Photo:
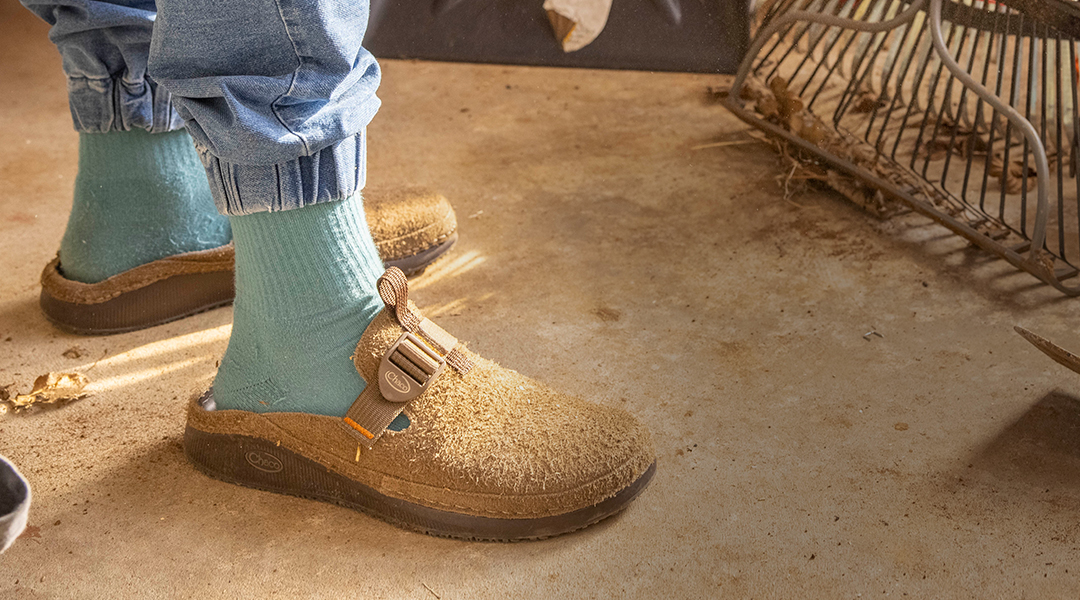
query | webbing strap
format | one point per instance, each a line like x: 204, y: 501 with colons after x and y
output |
x: 446, y: 344
x: 407, y: 369
x: 370, y: 415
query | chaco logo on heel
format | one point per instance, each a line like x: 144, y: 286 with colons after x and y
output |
x: 264, y: 461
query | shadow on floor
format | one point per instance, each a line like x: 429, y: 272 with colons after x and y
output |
x: 111, y: 361
x: 937, y: 249
x: 156, y: 494
x: 1041, y: 448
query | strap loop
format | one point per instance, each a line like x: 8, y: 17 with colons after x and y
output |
x: 394, y: 290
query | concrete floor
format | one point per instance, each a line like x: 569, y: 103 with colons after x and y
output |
x: 602, y: 254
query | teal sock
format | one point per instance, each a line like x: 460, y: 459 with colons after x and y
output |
x: 305, y: 292
x: 139, y: 197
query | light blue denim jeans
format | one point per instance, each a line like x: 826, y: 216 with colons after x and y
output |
x: 276, y: 93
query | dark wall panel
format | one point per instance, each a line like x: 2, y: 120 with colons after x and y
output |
x: 708, y: 36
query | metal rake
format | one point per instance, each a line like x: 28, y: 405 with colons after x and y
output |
x: 963, y: 110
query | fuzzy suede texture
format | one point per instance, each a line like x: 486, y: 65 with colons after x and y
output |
x: 201, y: 261
x: 493, y: 443
x: 406, y: 221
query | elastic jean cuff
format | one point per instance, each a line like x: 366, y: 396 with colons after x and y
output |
x: 116, y: 104
x: 333, y: 173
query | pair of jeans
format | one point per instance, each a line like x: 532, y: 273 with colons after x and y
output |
x: 276, y: 94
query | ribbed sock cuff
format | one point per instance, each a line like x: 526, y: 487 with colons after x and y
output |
x: 138, y: 197
x: 285, y: 261
x: 136, y: 151
x: 305, y: 293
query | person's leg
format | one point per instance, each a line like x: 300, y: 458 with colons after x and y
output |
x: 278, y: 105
x: 143, y: 244
x: 140, y: 193
x: 312, y: 393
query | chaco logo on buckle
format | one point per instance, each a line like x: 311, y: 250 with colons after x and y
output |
x: 399, y: 383
x: 408, y: 369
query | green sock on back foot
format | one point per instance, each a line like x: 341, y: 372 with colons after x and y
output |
x: 139, y: 197
x: 305, y: 292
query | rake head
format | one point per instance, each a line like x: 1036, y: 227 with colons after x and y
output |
x: 965, y: 111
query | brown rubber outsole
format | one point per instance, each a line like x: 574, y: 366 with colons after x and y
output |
x: 177, y: 297
x: 160, y: 302
x: 262, y: 464
x: 415, y: 264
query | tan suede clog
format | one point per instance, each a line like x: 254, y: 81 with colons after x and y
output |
x: 488, y: 454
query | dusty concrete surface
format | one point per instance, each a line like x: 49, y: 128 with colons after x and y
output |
x: 602, y: 254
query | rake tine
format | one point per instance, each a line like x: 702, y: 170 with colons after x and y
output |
x: 1060, y: 355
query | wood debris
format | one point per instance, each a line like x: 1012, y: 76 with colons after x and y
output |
x: 845, y: 112
x: 867, y: 102
x: 716, y: 94
x: 54, y: 389
x: 779, y: 105
x: 1013, y: 177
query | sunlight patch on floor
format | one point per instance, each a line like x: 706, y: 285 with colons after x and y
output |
x: 170, y: 345
x: 447, y: 268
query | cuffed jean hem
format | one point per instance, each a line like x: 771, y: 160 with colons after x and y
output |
x: 331, y: 174
x: 116, y: 104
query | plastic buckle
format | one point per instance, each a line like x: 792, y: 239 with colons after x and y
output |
x: 408, y: 369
